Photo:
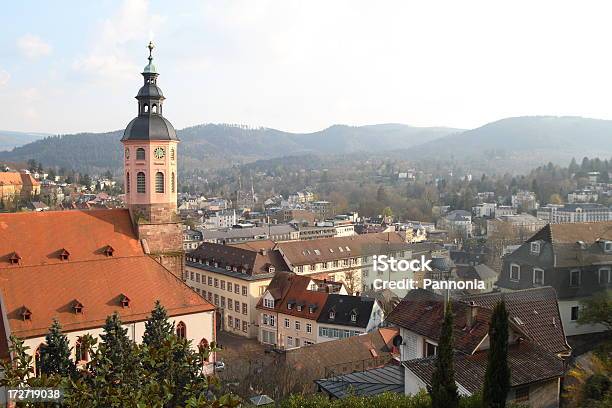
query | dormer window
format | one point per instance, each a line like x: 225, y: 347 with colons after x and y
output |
x: 64, y: 255
x: 607, y: 246
x: 535, y: 248
x: 289, y: 305
x: 269, y: 303
x: 26, y: 314
x: 77, y: 307
x: 299, y: 308
x: 353, y: 317
x: 332, y: 314
x: 271, y: 269
x: 109, y: 250
x: 15, y: 259
x: 125, y: 301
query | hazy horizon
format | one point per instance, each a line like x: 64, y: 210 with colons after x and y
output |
x: 302, y: 67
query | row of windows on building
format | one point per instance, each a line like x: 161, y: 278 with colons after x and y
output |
x: 334, y: 333
x: 237, y: 324
x: 221, y: 301
x: 270, y: 320
x: 141, y: 153
x: 604, y: 276
x: 217, y: 283
x: 141, y: 182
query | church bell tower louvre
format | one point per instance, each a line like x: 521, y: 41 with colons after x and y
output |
x: 150, y: 175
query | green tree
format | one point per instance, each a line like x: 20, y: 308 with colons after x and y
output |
x: 157, y: 327
x: 56, y: 352
x: 443, y: 390
x: 497, y: 376
x: 597, y: 309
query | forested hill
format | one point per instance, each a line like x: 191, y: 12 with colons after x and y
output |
x: 219, y: 145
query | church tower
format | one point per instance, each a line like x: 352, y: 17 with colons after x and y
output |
x: 150, y: 175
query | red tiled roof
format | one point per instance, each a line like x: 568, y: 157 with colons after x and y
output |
x: 17, y: 179
x: 39, y: 237
x: 50, y: 291
x: 537, y: 311
x: 422, y: 312
x: 294, y: 288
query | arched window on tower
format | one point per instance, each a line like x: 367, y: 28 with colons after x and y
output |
x: 172, y: 181
x: 159, y: 182
x: 145, y: 108
x: 172, y: 154
x: 127, y: 182
x: 140, y: 153
x: 181, y: 330
x: 38, y: 361
x: 154, y: 108
x: 140, y: 182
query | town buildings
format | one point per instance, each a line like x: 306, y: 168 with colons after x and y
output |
x: 524, y: 200
x: 298, y: 311
x: 233, y: 278
x: 457, y: 221
x: 351, y: 259
x: 81, y: 266
x: 582, y: 196
x: 575, y: 259
x: 516, y: 226
x: 15, y: 185
x: 582, y: 212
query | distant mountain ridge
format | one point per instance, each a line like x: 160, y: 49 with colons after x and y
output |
x: 512, y: 144
x: 10, y: 139
x: 214, y: 145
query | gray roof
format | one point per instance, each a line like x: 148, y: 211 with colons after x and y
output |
x: 389, y: 378
x: 149, y: 127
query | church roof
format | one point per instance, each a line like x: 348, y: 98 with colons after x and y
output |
x: 149, y: 127
x: 39, y: 237
x: 49, y: 260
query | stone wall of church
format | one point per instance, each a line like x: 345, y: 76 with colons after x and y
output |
x: 165, y: 243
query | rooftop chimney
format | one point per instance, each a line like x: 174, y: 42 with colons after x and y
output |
x: 471, y: 313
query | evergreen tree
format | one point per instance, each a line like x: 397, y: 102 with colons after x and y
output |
x: 56, y: 352
x: 157, y: 327
x: 118, y: 353
x: 443, y: 390
x: 497, y: 377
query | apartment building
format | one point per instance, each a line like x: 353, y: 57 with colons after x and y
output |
x: 233, y: 278
x: 273, y: 232
x: 297, y: 311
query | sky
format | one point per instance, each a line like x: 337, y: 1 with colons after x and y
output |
x: 301, y: 66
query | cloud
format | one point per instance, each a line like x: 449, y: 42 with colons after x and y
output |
x: 33, y: 46
x: 4, y: 77
x: 110, y: 57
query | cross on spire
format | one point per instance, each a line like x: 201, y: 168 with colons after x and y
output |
x: 150, y: 47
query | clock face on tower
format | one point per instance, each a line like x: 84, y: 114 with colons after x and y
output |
x: 159, y: 153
